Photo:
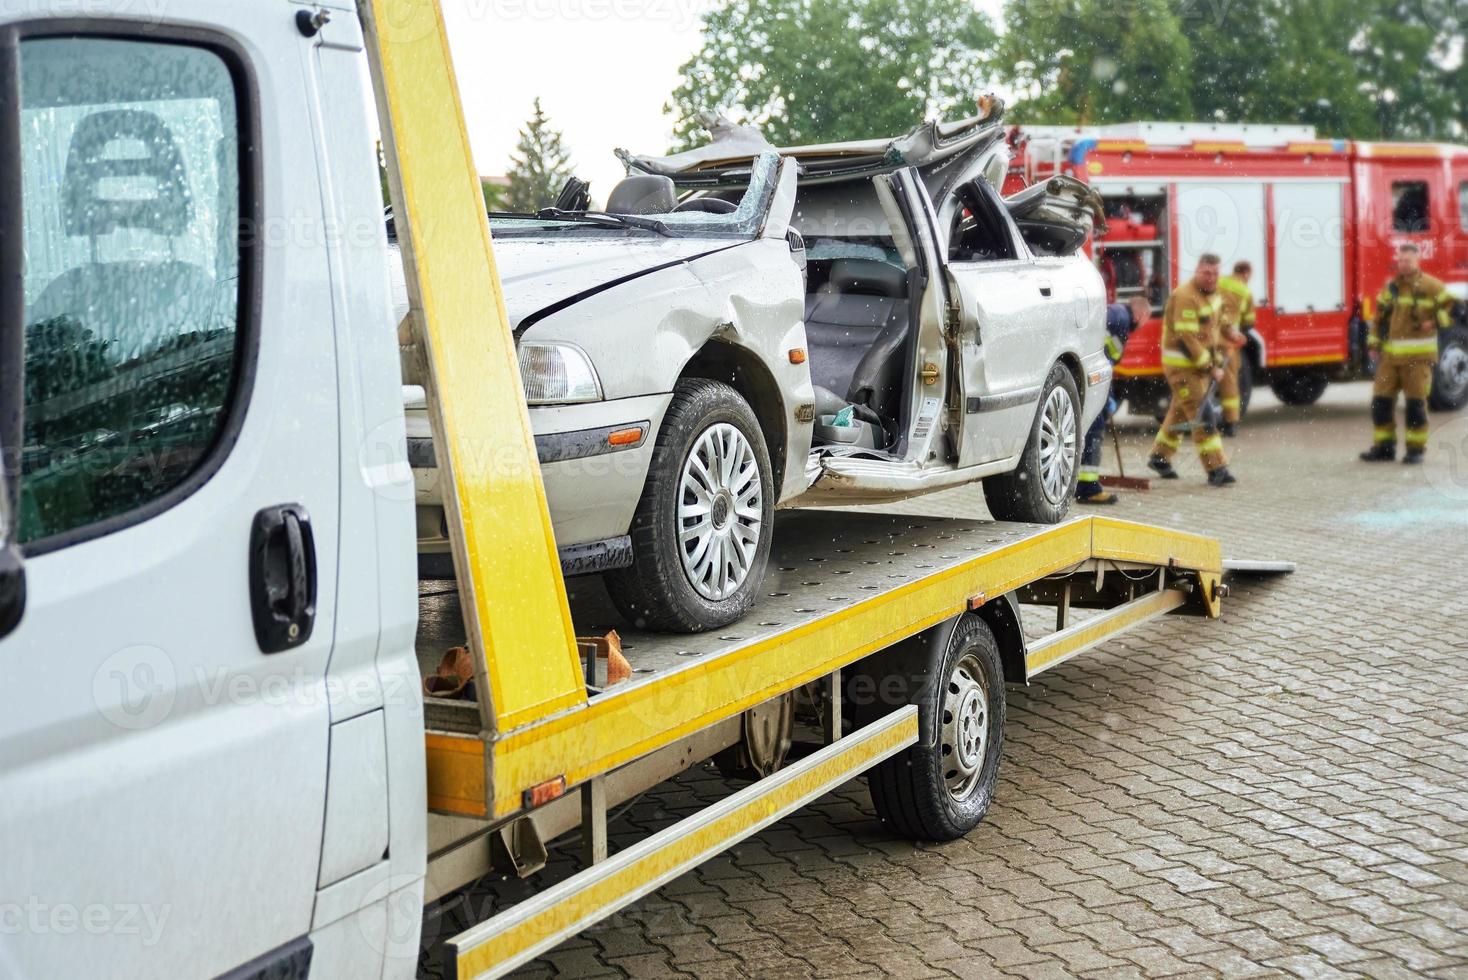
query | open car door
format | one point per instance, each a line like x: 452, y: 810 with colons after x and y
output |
x: 914, y: 227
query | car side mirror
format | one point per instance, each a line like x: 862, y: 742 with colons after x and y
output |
x: 12, y: 589
x: 797, y: 247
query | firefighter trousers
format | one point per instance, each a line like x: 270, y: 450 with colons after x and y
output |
x: 1411, y: 377
x: 1188, y: 388
x: 1228, y: 389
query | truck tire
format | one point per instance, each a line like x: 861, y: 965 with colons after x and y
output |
x: 701, y: 534
x: 1040, y: 488
x: 1298, y: 387
x: 941, y: 791
x: 1450, y: 379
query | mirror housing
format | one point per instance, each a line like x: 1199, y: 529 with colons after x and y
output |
x: 12, y: 589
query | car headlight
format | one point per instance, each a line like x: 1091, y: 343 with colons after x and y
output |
x: 557, y: 374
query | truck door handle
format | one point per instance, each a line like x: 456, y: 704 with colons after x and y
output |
x: 282, y: 577
x: 1045, y: 289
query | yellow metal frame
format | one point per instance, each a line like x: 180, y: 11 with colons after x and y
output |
x: 514, y: 600
x: 498, y: 945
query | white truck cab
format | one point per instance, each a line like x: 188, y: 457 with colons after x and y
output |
x: 212, y: 683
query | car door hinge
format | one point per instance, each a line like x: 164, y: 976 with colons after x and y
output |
x: 952, y: 320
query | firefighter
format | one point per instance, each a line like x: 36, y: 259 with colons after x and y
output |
x: 1411, y: 310
x: 1189, y: 363
x: 1235, y: 321
x: 1121, y: 320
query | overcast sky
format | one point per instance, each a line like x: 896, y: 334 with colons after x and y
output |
x: 603, y: 70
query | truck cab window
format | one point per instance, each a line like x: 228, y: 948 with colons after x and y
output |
x: 1463, y: 206
x: 130, y: 195
x: 1409, y: 206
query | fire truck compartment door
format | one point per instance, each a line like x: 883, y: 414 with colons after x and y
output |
x: 1226, y: 218
x: 1309, y: 248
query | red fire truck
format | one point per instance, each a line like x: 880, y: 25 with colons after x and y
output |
x: 1317, y: 218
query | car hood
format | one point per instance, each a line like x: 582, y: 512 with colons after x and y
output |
x: 540, y: 273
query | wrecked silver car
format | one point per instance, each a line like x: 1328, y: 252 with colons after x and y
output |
x: 748, y: 327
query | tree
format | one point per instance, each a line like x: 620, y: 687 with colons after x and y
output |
x: 539, y: 166
x: 805, y: 71
x: 1093, y: 61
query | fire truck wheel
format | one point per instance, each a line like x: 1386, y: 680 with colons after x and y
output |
x: 1450, y: 380
x: 941, y: 791
x: 1298, y: 387
x: 701, y: 532
x: 1039, y: 489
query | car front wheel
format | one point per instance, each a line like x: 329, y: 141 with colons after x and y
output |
x: 1039, y: 489
x: 701, y: 532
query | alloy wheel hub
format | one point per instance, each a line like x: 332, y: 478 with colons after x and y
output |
x: 720, y: 511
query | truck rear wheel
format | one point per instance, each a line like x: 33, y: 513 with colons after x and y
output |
x: 1298, y: 387
x: 701, y: 532
x: 1450, y: 380
x: 941, y: 791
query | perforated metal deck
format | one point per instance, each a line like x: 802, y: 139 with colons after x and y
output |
x: 821, y: 560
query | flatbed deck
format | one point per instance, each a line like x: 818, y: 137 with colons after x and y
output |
x: 841, y: 585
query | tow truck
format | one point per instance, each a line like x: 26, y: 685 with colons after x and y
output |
x: 215, y: 753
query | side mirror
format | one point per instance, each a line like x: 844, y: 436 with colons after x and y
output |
x: 797, y: 247
x: 12, y: 589
x: 12, y: 567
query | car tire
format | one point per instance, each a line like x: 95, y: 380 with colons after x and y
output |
x: 940, y: 792
x: 1450, y: 377
x: 1299, y: 387
x: 1040, y: 488
x: 659, y: 591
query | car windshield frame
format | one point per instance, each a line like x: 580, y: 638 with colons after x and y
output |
x: 746, y: 221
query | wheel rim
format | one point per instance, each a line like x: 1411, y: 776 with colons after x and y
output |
x: 1453, y: 370
x: 720, y: 511
x: 1057, y: 445
x: 965, y: 727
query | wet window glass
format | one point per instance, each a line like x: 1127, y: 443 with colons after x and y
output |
x: 130, y: 196
x: 1409, y: 205
x: 1463, y: 206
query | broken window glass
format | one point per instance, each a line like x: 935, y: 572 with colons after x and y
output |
x: 130, y: 198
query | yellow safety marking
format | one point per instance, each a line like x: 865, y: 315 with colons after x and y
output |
x: 1131, y: 371
x: 1055, y: 649
x: 1402, y: 150
x: 457, y: 778
x: 1220, y: 148
x: 1119, y: 146
x: 515, y: 608
x: 635, y: 873
x: 1308, y: 359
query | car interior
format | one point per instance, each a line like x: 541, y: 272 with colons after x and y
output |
x: 857, y: 314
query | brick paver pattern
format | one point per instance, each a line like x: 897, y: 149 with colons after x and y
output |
x: 1284, y: 792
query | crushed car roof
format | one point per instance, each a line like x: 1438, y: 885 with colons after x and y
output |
x: 724, y: 160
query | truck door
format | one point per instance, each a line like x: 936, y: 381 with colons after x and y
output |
x: 163, y: 709
x: 1007, y: 308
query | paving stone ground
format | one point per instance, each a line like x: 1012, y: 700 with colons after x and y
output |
x: 1284, y: 792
